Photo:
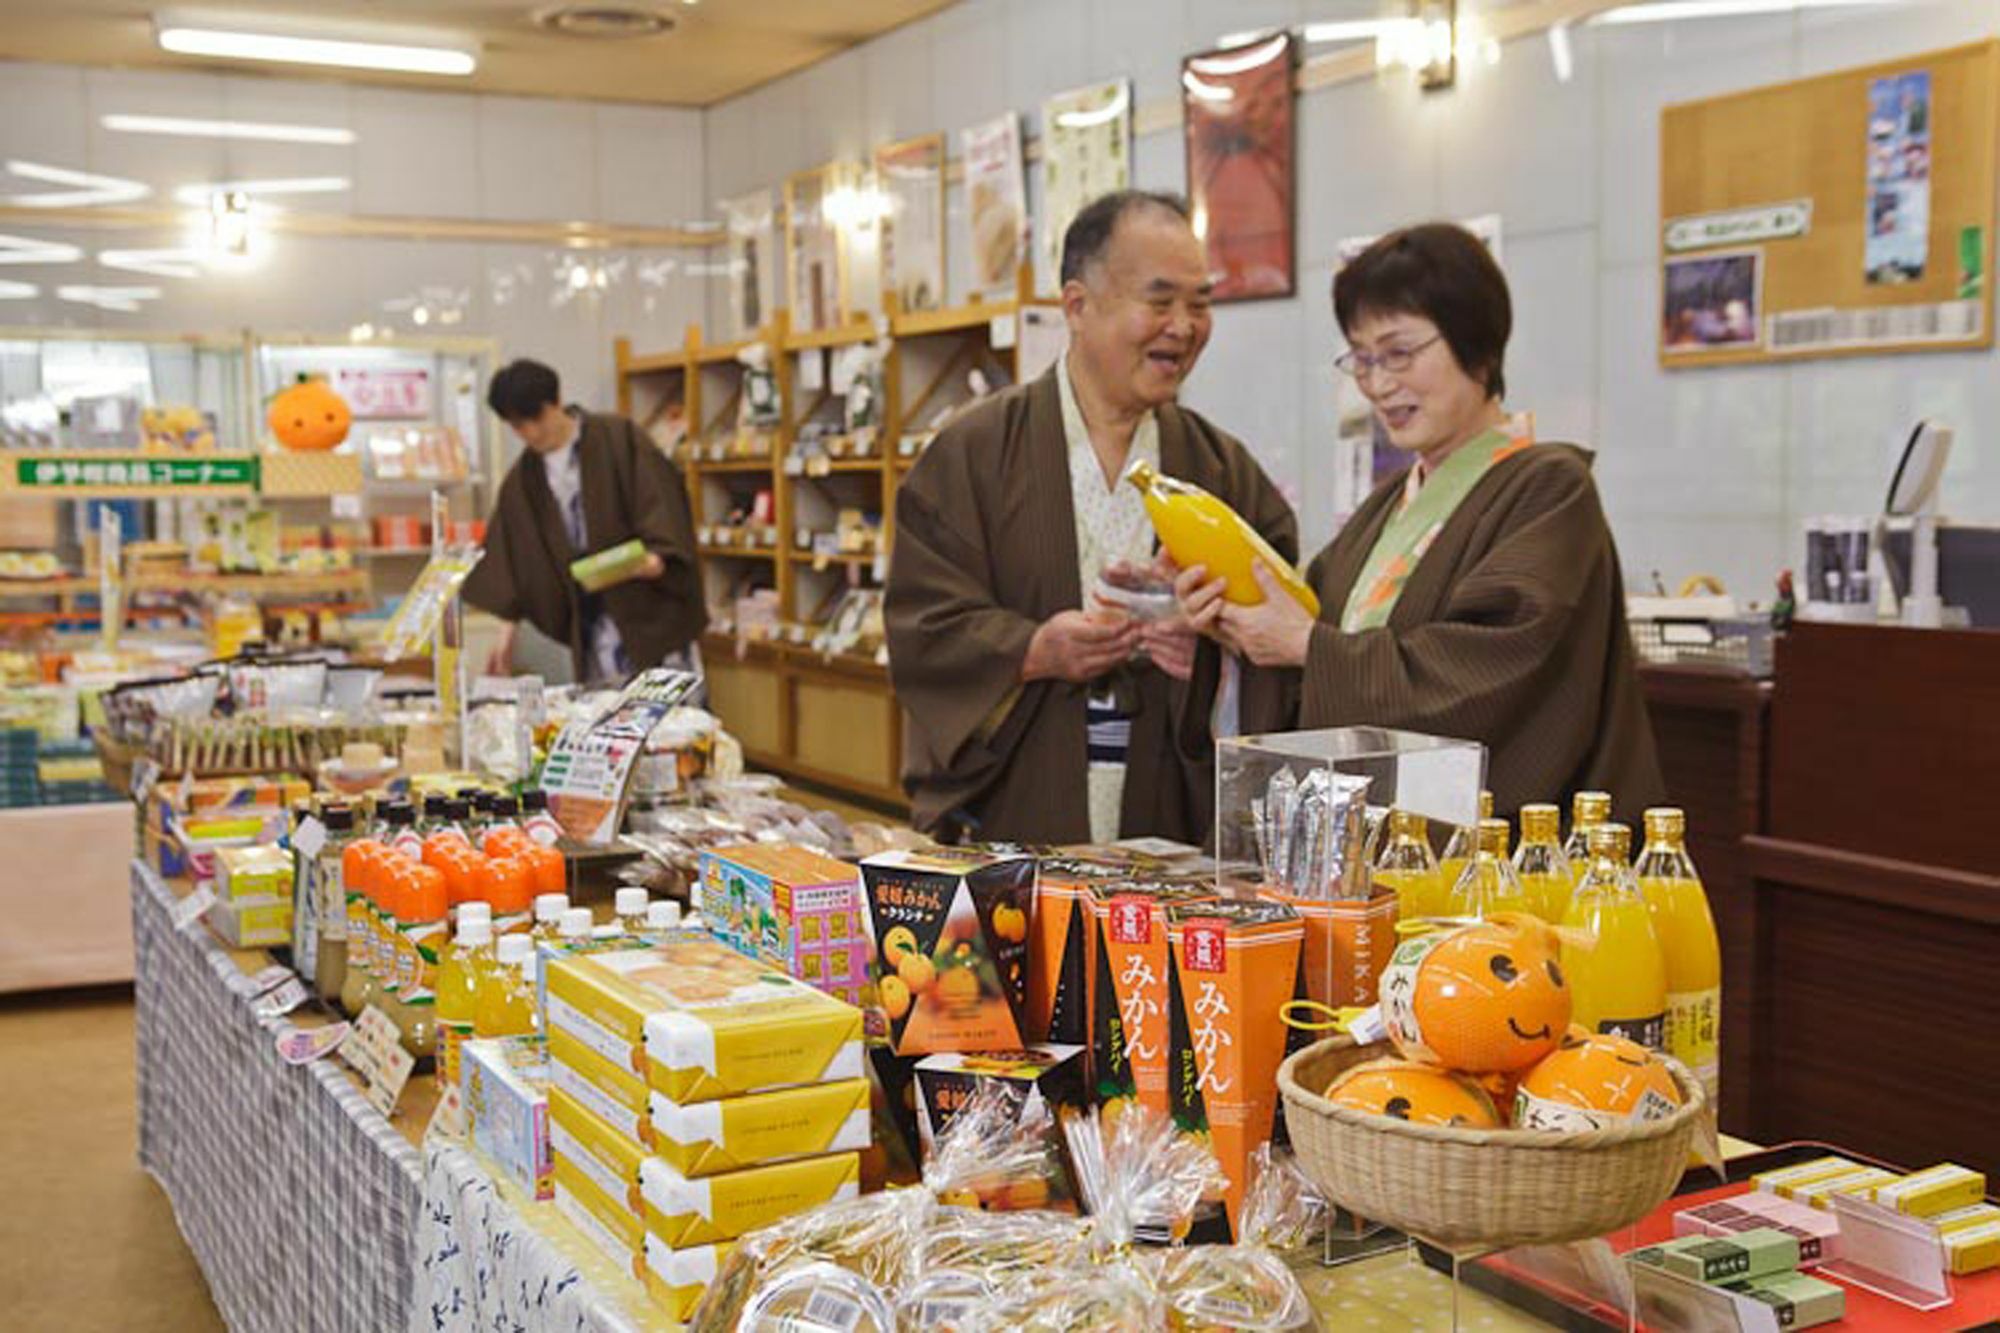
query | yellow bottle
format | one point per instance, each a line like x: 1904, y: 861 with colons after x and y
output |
x: 1620, y: 985
x: 1459, y: 847
x: 1198, y: 529
x: 466, y: 963
x: 1588, y: 809
x: 1679, y: 905
x: 506, y: 1003
x: 1407, y: 866
x: 1540, y: 864
x: 1488, y: 884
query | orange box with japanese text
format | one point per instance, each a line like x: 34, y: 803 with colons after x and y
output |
x: 949, y: 958
x: 1128, y: 991
x: 1347, y: 945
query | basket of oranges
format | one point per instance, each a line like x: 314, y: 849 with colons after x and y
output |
x: 1486, y: 1120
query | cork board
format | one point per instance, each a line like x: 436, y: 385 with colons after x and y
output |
x: 1848, y: 214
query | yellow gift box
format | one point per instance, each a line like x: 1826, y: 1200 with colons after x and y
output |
x: 708, y: 1138
x: 676, y: 1278
x: 683, y: 1212
x: 595, y: 1149
x: 1934, y: 1190
x: 613, y: 1095
x: 626, y: 1231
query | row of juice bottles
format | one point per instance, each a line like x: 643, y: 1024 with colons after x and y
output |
x: 1654, y: 972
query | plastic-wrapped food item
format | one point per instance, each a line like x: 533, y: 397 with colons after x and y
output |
x: 868, y: 1236
x: 818, y: 1296
x: 940, y: 1302
x: 992, y: 1142
x: 1140, y: 1178
x: 1116, y: 1298
x: 1248, y: 1286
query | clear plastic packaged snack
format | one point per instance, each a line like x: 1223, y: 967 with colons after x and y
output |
x: 1248, y: 1285
x: 818, y: 1296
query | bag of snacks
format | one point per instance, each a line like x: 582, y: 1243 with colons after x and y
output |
x: 1249, y: 1285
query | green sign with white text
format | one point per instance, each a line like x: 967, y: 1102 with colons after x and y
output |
x: 145, y: 474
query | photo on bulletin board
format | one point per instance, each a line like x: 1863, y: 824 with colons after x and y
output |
x: 911, y: 177
x: 751, y: 223
x: 1712, y: 301
x: 1086, y: 153
x: 815, y: 278
x: 996, y: 203
x: 1242, y: 165
x: 1899, y: 177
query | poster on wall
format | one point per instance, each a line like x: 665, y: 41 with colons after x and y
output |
x: 996, y: 203
x: 1242, y: 168
x: 751, y: 223
x: 1713, y: 302
x: 815, y: 286
x: 399, y: 393
x: 911, y: 177
x: 1899, y: 177
x: 1086, y: 152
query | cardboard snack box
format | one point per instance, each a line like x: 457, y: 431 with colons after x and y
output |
x: 1128, y: 993
x: 683, y: 1212
x: 949, y: 958
x: 791, y: 907
x: 506, y: 1090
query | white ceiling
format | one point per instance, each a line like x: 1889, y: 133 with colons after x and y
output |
x: 717, y: 49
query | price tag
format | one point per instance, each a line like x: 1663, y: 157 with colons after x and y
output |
x: 346, y: 506
x: 186, y: 792
x: 145, y: 774
x: 795, y: 465
x: 375, y: 1051
x: 281, y: 999
x: 310, y: 837
x: 270, y: 978
x: 189, y: 909
x: 449, y: 1117
x: 302, y: 1046
x: 819, y: 465
x: 1001, y: 332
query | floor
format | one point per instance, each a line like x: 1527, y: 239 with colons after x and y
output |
x: 87, y: 1240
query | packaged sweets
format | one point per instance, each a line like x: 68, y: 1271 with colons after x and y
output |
x: 791, y: 907
x: 1248, y: 1285
x: 701, y: 1021
x: 1934, y: 1190
x: 816, y: 1296
x: 676, y: 1279
x: 1129, y: 998
x: 507, y: 1107
x: 999, y: 1150
x: 1062, y: 935
x: 868, y: 1236
x: 612, y: 1095
x: 1031, y: 1081
x: 950, y: 958
x: 593, y: 1148
x: 707, y: 1138
x: 684, y: 1212
x: 601, y: 569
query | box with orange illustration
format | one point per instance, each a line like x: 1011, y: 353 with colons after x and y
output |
x: 1034, y: 1080
x: 1128, y: 990
x: 949, y: 962
x: 1234, y: 967
x: 1347, y: 946
x: 1062, y: 937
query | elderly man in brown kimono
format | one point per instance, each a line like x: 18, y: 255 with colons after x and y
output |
x: 586, y: 482
x: 1034, y: 711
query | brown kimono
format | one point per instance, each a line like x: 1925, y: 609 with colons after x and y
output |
x: 1511, y: 631
x: 985, y: 550
x: 629, y: 490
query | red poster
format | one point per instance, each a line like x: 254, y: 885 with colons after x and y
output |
x: 1242, y: 165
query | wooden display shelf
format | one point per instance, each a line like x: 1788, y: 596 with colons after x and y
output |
x: 656, y: 362
x: 955, y: 319
x: 843, y: 558
x: 72, y: 585
x: 722, y: 353
x: 864, y: 467
x: 737, y: 553
x: 844, y: 335
x: 885, y: 794
x: 734, y: 464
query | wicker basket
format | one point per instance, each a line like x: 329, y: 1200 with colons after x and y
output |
x: 118, y: 759
x: 1487, y: 1189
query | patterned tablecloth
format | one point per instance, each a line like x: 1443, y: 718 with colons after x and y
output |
x: 306, y: 1209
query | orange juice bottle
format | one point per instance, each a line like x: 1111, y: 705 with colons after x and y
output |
x: 1458, y: 849
x: 1540, y: 864
x: 420, y: 933
x: 468, y: 959
x: 1198, y: 529
x: 506, y: 1003
x: 360, y: 863
x: 1679, y: 905
x: 1488, y: 883
x: 1407, y: 866
x: 391, y: 891
x: 509, y: 889
x: 1588, y: 809
x: 1620, y: 985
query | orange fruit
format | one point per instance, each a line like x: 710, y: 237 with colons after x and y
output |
x: 916, y: 972
x: 895, y: 996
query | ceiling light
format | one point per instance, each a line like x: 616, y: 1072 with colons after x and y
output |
x: 296, y: 43
x: 1560, y: 53
x: 174, y: 263
x: 229, y: 225
x: 18, y: 291
x: 29, y: 250
x: 1667, y: 11
x: 227, y: 129
x: 201, y: 194
x: 1350, y: 30
x: 122, y: 299
x: 86, y: 187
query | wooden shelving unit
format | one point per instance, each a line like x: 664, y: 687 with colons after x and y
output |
x: 830, y: 721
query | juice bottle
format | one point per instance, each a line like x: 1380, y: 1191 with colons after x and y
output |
x: 458, y: 818
x: 661, y: 916
x: 305, y: 898
x: 465, y: 963
x: 574, y: 926
x: 1458, y: 849
x: 551, y: 868
x: 1407, y: 866
x: 1588, y: 809
x: 391, y: 887
x: 506, y: 1003
x: 1487, y: 884
x: 549, y: 909
x: 1620, y: 985
x: 478, y: 810
x: 420, y: 935
x: 360, y: 863
x: 432, y: 817
x: 509, y: 890
x: 329, y: 903
x: 1198, y: 529
x: 536, y: 821
x: 399, y: 829
x: 502, y: 812
x: 1540, y: 864
x: 1679, y: 905
x: 630, y: 906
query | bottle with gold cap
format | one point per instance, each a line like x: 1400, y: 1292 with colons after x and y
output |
x: 1539, y: 862
x: 1619, y: 984
x: 1407, y: 866
x: 1458, y: 848
x: 1588, y: 809
x: 1679, y: 906
x: 1198, y: 529
x: 1488, y: 883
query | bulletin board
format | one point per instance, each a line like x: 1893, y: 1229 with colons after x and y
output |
x: 1848, y: 214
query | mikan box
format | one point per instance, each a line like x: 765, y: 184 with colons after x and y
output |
x: 676, y: 1279
x: 1128, y: 990
x: 708, y: 1021
x: 1061, y: 939
x: 708, y: 1138
x: 1034, y: 1080
x: 1347, y: 945
x: 791, y: 907
x: 685, y: 1212
x: 949, y: 962
x: 1234, y: 967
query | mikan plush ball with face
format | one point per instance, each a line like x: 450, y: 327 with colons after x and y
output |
x: 1420, y: 1094
x: 310, y: 417
x: 1486, y: 998
x: 1595, y: 1081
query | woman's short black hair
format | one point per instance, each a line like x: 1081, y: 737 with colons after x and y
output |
x: 1445, y: 274
x: 521, y: 389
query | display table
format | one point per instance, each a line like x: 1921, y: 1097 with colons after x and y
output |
x: 62, y: 899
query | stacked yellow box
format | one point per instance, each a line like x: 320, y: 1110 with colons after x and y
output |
x: 696, y: 1095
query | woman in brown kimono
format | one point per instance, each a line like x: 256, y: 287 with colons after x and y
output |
x: 1475, y: 594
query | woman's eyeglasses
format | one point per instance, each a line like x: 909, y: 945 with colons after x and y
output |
x: 1395, y: 360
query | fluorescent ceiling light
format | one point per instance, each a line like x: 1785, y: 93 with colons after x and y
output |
x: 123, y: 299
x: 200, y: 194
x: 85, y: 187
x: 174, y: 263
x: 18, y: 291
x: 28, y: 250
x: 345, y: 47
x: 1352, y: 30
x: 1668, y: 11
x: 227, y: 129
